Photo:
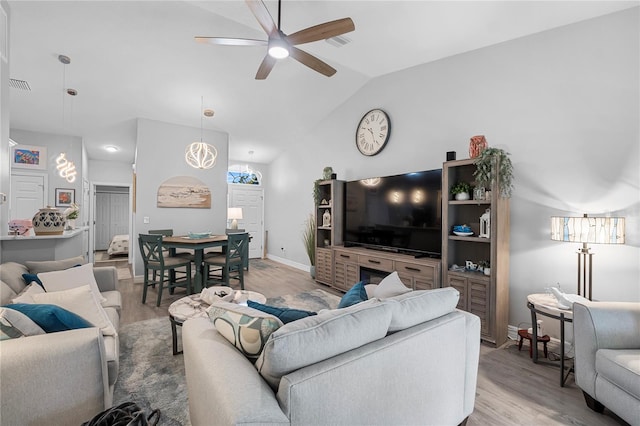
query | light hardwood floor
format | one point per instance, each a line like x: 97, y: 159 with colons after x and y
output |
x: 511, y: 390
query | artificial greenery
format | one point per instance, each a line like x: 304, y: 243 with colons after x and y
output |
x: 485, y: 173
x: 309, y: 238
x: 75, y: 211
x: 327, y: 172
x: 326, y: 175
x: 460, y: 188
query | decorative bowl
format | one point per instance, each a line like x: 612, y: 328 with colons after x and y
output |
x: 462, y: 228
x: 199, y: 235
x: 463, y: 234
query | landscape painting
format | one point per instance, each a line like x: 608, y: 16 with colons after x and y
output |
x: 184, y: 192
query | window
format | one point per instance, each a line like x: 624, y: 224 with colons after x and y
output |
x: 243, y: 175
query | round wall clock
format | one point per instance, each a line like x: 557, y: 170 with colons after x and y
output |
x: 373, y: 132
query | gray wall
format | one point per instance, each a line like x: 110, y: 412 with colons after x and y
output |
x: 110, y: 172
x: 71, y: 145
x: 160, y: 156
x: 563, y: 102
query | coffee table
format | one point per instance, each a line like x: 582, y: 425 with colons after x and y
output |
x: 194, y: 307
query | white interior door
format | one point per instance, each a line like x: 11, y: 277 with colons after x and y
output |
x: 252, y: 202
x: 103, y: 213
x: 28, y: 195
x: 119, y: 214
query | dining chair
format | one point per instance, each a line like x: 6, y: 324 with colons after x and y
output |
x: 154, y: 260
x: 230, y: 263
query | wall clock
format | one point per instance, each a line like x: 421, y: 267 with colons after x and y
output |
x: 373, y: 132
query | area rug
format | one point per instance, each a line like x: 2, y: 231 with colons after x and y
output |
x: 149, y: 374
x: 154, y: 378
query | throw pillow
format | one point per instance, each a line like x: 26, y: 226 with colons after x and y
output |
x: 26, y: 296
x: 14, y: 324
x: 246, y: 328
x: 71, y: 278
x: 81, y: 301
x: 30, y: 278
x: 51, y: 318
x: 390, y: 286
x: 420, y: 306
x: 37, y: 267
x: 356, y: 294
x: 283, y: 314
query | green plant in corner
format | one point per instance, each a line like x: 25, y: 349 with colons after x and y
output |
x: 485, y: 170
x: 309, y: 238
x: 326, y: 175
x: 460, y: 187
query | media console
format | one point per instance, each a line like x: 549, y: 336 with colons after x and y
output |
x: 352, y: 264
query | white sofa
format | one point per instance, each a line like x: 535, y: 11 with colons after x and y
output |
x: 410, y: 359
x: 607, y: 356
x: 58, y: 378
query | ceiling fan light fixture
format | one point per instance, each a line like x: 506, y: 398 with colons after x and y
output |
x: 278, y: 49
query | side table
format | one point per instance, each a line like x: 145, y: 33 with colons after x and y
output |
x: 547, y: 305
x: 194, y: 307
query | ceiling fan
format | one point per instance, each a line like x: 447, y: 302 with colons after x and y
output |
x: 282, y: 45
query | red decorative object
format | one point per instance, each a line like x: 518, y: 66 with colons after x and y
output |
x: 477, y: 145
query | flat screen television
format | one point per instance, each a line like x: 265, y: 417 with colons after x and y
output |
x: 401, y: 213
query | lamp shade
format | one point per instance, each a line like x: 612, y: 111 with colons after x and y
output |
x: 594, y: 230
x: 234, y: 212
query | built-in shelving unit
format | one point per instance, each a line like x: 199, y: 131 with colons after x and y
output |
x: 328, y: 233
x: 484, y: 295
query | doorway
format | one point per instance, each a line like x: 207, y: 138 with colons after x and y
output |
x: 252, y: 202
x: 111, y: 221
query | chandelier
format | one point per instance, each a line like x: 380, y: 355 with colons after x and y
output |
x: 201, y: 155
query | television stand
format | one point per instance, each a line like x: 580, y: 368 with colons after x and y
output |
x: 416, y: 273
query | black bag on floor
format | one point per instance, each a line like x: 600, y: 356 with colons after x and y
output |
x: 125, y: 414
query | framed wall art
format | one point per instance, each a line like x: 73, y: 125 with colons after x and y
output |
x: 65, y: 197
x: 29, y: 157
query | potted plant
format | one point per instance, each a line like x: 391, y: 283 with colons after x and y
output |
x: 309, y: 240
x: 461, y: 190
x: 327, y: 173
x: 486, y: 175
x: 71, y: 215
x: 485, y: 266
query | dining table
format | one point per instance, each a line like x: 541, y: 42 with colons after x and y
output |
x: 198, y: 245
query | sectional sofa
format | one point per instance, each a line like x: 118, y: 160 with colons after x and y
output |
x: 408, y: 359
x: 64, y: 377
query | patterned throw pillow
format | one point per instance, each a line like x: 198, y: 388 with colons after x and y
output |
x: 247, y: 329
x: 14, y: 324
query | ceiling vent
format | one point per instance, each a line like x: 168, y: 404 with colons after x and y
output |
x: 19, y: 84
x: 338, y: 41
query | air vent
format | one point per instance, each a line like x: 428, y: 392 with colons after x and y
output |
x: 338, y: 41
x: 19, y: 84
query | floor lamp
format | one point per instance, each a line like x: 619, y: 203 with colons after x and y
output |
x: 585, y: 230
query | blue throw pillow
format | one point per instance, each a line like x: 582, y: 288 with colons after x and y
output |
x: 356, y: 294
x: 29, y: 278
x: 51, y: 318
x: 283, y: 314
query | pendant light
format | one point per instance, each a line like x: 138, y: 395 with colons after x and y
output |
x: 201, y: 155
x: 66, y: 168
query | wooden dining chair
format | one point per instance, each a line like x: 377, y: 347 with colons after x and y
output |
x: 221, y: 268
x: 154, y: 260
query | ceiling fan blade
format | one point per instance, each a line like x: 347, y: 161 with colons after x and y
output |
x: 263, y: 16
x: 265, y: 67
x: 312, y: 62
x: 322, y: 31
x: 226, y: 41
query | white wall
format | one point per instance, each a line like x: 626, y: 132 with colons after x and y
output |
x: 71, y: 145
x: 160, y: 156
x: 5, y: 164
x: 116, y: 172
x: 564, y: 103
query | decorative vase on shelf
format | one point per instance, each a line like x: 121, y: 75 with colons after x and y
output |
x: 71, y: 224
x: 478, y: 193
x: 49, y: 221
x: 462, y: 196
x: 487, y: 271
x: 477, y: 145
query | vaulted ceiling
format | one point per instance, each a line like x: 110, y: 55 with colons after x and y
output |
x: 132, y: 59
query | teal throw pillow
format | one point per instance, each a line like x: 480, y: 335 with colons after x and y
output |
x: 283, y: 314
x: 29, y: 278
x: 355, y: 295
x: 51, y: 318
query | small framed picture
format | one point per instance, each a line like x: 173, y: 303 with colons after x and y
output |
x: 65, y: 197
x: 29, y: 157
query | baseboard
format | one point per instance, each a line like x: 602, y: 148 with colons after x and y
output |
x: 288, y: 262
x: 512, y: 332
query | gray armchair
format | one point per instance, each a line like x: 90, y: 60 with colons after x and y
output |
x: 607, y: 356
